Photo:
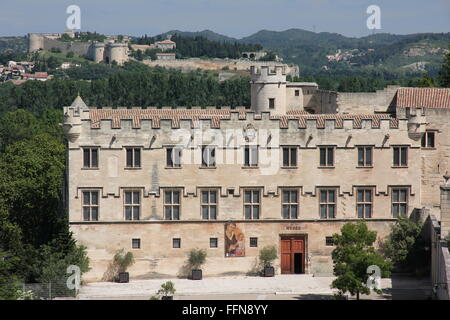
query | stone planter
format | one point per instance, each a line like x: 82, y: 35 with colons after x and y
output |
x: 167, y: 298
x: 269, y: 271
x: 197, y: 274
x: 124, y: 277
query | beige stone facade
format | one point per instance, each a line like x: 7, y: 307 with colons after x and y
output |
x: 115, y: 134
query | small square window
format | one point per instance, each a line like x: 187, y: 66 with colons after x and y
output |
x: 176, y: 243
x: 428, y: 139
x: 136, y: 243
x: 213, y: 242
x: 297, y: 93
x: 254, y: 242
x: 271, y: 103
x: 329, y: 241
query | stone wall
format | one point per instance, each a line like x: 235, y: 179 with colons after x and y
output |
x: 79, y: 48
x: 217, y: 64
x: 435, y: 162
x: 157, y: 257
x: 366, y: 102
x: 440, y: 261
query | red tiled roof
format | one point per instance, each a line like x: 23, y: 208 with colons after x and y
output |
x: 423, y: 97
x: 36, y: 75
x: 216, y: 115
x: 166, y: 42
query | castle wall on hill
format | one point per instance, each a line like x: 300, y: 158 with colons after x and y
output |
x: 217, y: 64
x: 79, y: 48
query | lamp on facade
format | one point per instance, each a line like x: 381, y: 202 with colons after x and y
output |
x: 446, y: 177
x: 386, y: 138
x: 113, y: 139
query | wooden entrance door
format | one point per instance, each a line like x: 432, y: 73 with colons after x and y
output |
x: 292, y: 254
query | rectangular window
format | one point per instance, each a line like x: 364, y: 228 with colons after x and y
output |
x: 289, y: 204
x: 327, y: 203
x: 364, y: 203
x: 365, y: 156
x: 135, y: 243
x: 399, y: 202
x: 326, y: 156
x: 208, y: 156
x: 297, y: 93
x: 254, y: 242
x: 329, y: 241
x: 251, y: 156
x: 271, y: 103
x: 252, y: 204
x: 176, y: 243
x: 90, y: 157
x: 428, y: 139
x: 173, y: 156
x: 213, y: 242
x: 90, y: 205
x: 132, y: 205
x: 133, y: 157
x: 400, y: 156
x: 289, y: 156
x: 209, y: 204
x: 172, y: 205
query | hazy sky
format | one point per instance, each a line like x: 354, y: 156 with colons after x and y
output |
x: 236, y: 18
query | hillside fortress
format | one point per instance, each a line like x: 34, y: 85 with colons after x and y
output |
x: 288, y: 172
x: 107, y: 51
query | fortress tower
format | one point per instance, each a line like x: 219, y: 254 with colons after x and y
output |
x: 268, y: 89
x: 35, y: 42
x: 98, y: 51
x: 116, y: 52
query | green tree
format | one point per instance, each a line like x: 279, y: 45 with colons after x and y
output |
x: 353, y: 254
x: 444, y: 74
x: 31, y: 174
x: 426, y: 81
x: 9, y: 283
x: 405, y: 246
x: 17, y: 126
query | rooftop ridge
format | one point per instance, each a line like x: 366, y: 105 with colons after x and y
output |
x: 217, y: 115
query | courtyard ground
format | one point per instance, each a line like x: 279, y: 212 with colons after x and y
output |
x: 280, y: 287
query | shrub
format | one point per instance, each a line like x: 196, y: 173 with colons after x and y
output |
x: 167, y: 288
x: 123, y: 260
x: 197, y: 257
x: 267, y: 255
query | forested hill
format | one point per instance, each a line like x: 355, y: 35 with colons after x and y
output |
x: 398, y: 55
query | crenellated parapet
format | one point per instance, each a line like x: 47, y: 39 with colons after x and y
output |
x: 217, y: 117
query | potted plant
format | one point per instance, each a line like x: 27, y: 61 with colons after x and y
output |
x: 122, y: 261
x: 197, y: 257
x: 167, y: 290
x: 266, y: 256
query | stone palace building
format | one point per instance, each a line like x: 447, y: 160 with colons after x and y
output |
x: 289, y: 172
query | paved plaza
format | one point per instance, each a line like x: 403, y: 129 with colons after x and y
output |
x: 243, y: 287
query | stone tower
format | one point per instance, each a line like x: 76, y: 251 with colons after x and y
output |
x: 268, y: 89
x: 35, y: 42
x: 98, y: 51
x: 116, y: 52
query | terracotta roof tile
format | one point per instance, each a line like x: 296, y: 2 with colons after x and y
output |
x: 423, y: 97
x: 216, y: 115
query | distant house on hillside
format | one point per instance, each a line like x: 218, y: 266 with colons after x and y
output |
x: 165, y: 45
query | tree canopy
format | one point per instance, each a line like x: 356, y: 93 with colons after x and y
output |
x: 353, y: 254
